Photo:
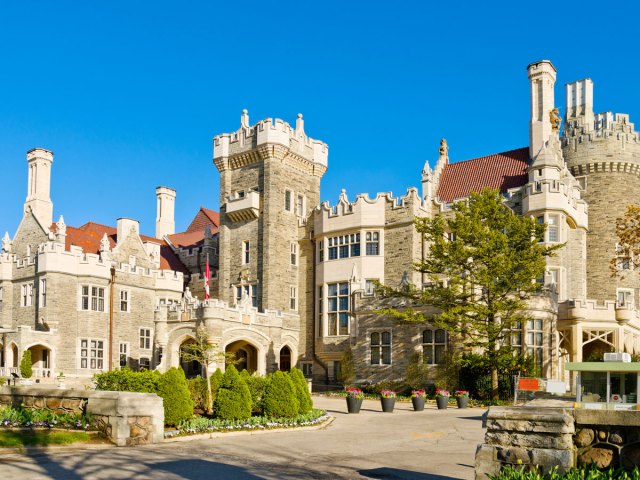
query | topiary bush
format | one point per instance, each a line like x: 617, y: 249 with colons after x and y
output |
x: 216, y: 381
x: 256, y: 388
x: 198, y: 392
x: 233, y: 399
x: 26, y: 366
x: 174, y: 390
x: 305, y: 404
x: 280, y: 398
x: 126, y: 380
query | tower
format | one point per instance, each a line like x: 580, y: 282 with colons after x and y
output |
x: 269, y: 180
x: 542, y: 77
x: 165, y: 211
x: 38, y: 199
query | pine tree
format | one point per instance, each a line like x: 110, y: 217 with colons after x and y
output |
x: 305, y: 404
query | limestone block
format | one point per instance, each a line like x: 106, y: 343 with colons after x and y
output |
x: 515, y: 455
x: 486, y: 463
x: 537, y: 440
x: 547, y: 458
x: 607, y: 417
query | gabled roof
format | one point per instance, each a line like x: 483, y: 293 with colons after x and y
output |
x: 89, y: 235
x: 194, y: 235
x: 501, y: 171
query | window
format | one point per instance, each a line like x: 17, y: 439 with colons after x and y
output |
x: 145, y: 338
x: 336, y: 368
x: 251, y: 290
x: 373, y: 243
x: 515, y: 337
x: 344, y: 246
x: 240, y: 194
x: 84, y: 302
x: 538, y: 186
x: 624, y: 298
x: 43, y: 293
x: 294, y: 253
x: 1, y: 297
x: 293, y: 298
x: 246, y: 252
x: 144, y: 364
x: 307, y: 368
x: 434, y: 346
x: 91, y: 354
x: 27, y: 295
x: 124, y: 300
x: 534, y: 340
x: 370, y: 287
x: 623, y: 259
x: 97, y: 299
x: 287, y: 200
x: 338, y: 308
x: 321, y: 251
x: 552, y: 229
x: 300, y: 205
x: 381, y: 348
x: 124, y: 354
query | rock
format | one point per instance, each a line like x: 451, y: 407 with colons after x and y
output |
x: 53, y: 403
x: 584, y: 437
x: 137, y: 431
x: 602, y: 435
x: 513, y: 455
x: 602, y: 457
x: 617, y: 437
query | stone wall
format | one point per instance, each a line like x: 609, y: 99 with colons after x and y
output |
x: 125, y: 418
x: 562, y: 437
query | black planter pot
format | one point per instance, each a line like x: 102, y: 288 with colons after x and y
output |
x: 418, y: 403
x: 354, y: 404
x: 388, y: 404
x: 442, y: 402
x: 462, y: 401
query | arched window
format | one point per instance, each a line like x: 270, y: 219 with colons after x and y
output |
x: 434, y: 346
x: 381, y: 348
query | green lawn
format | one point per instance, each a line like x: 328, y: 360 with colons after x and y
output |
x: 20, y: 438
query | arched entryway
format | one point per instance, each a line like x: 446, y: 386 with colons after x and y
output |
x: 14, y: 356
x: 246, y: 355
x: 41, y: 361
x: 192, y: 368
x: 285, y: 359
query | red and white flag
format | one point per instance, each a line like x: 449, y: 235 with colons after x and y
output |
x: 207, y: 276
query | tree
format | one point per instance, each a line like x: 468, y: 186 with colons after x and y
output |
x: 280, y: 399
x: 482, y: 264
x: 26, y: 366
x: 173, y: 389
x: 627, y: 255
x: 347, y: 369
x: 205, y: 352
x: 233, y: 400
x: 305, y: 404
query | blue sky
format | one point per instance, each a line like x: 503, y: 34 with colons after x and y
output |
x: 128, y: 95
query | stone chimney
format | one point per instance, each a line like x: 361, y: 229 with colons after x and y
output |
x: 39, y: 162
x: 125, y: 226
x: 165, y: 211
x: 542, y: 77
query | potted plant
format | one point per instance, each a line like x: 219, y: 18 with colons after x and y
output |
x: 442, y: 399
x: 418, y: 397
x: 388, y: 400
x: 354, y: 399
x: 462, y: 398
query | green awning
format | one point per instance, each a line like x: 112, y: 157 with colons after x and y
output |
x: 603, y: 366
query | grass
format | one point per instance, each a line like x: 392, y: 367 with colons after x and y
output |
x: 30, y: 438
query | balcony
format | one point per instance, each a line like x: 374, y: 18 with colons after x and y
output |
x: 244, y: 208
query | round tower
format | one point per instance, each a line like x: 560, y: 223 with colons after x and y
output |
x: 603, y: 152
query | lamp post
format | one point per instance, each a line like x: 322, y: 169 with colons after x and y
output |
x: 113, y: 281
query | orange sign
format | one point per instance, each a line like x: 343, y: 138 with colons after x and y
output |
x: 528, y: 384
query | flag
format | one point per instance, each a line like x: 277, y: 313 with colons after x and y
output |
x: 207, y: 276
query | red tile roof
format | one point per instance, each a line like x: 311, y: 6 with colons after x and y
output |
x: 89, y: 235
x: 203, y: 218
x: 502, y: 171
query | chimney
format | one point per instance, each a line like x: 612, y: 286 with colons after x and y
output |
x: 542, y: 77
x: 165, y: 211
x: 125, y: 226
x: 39, y: 162
x: 580, y: 102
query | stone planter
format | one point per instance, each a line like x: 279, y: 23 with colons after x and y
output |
x: 442, y: 402
x: 418, y: 403
x: 387, y: 404
x: 354, y: 404
x: 462, y: 401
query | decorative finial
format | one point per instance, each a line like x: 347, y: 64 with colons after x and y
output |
x: 244, y: 119
x: 61, y: 227
x: 6, y: 243
x: 555, y: 119
x: 343, y: 195
x: 299, y: 125
x: 104, y: 243
x: 444, y: 148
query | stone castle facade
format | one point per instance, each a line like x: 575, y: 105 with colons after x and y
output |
x: 293, y: 279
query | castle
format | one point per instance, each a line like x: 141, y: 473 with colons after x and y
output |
x: 293, y: 280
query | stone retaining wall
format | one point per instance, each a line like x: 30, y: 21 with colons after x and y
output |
x: 562, y: 437
x: 126, y: 418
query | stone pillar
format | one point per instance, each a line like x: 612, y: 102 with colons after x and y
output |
x: 165, y: 211
x: 542, y: 77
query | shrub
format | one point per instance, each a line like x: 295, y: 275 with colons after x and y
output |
x: 280, y: 396
x: 26, y: 367
x: 233, y: 400
x: 417, y: 373
x: 198, y: 392
x: 305, y: 404
x: 256, y: 389
x: 126, y: 380
x: 173, y: 389
x: 2, y: 381
x: 346, y: 368
x: 216, y: 380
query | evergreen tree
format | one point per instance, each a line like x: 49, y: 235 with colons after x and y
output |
x: 305, y: 404
x: 280, y: 400
x: 347, y: 369
x: 174, y: 391
x: 233, y: 400
x: 482, y: 264
x: 26, y: 366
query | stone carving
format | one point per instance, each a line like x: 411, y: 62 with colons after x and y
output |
x: 61, y: 227
x: 555, y: 119
x: 104, y: 243
x: 6, y: 243
x: 444, y: 148
x: 188, y: 296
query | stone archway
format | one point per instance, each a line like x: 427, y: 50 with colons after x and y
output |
x: 191, y: 368
x: 285, y: 359
x: 41, y: 361
x: 246, y: 355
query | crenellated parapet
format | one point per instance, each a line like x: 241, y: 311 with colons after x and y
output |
x: 270, y: 138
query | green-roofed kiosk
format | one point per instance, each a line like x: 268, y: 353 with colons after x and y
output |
x: 606, y: 385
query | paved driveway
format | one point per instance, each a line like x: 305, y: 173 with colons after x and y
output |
x: 403, y: 445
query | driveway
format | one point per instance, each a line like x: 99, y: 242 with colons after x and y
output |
x: 403, y: 445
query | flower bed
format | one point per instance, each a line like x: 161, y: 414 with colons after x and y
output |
x: 41, y: 418
x: 206, y: 425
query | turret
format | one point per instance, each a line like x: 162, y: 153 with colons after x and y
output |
x: 38, y: 200
x: 165, y: 211
x: 542, y: 78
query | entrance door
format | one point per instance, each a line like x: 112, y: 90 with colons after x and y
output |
x: 285, y: 359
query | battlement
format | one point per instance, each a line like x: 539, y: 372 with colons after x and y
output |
x: 268, y: 132
x: 607, y: 312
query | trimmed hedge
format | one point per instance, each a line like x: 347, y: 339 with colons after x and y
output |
x: 216, y: 380
x: 174, y: 391
x: 233, y: 399
x: 280, y: 398
x: 126, y: 380
x: 26, y: 366
x: 305, y: 404
x: 198, y: 392
x: 256, y: 389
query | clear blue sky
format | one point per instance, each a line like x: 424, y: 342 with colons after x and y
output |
x: 128, y: 95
